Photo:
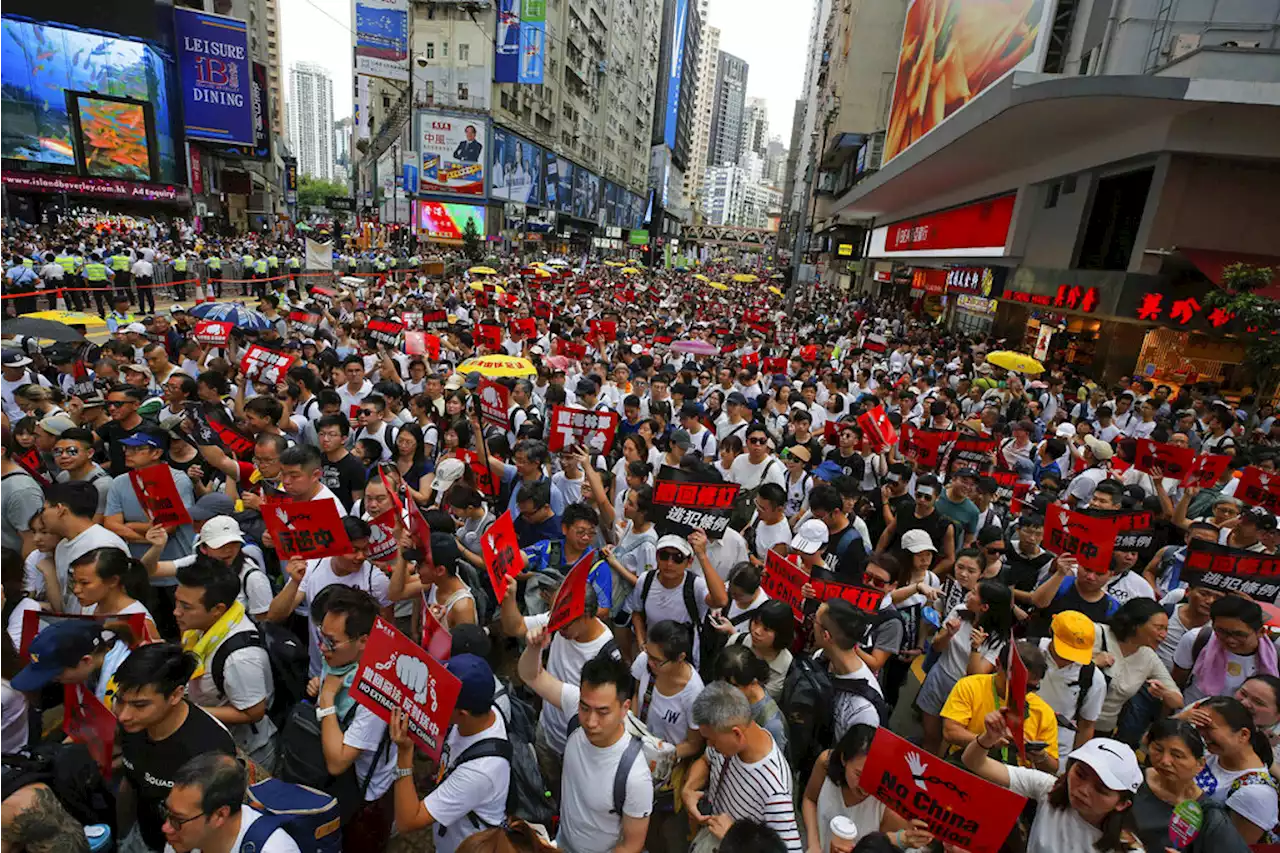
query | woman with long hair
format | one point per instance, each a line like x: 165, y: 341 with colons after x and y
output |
x: 108, y: 582
x: 409, y: 456
x: 835, y: 790
x: 972, y: 637
x: 1085, y: 810
x: 1125, y: 650
x: 1175, y: 757
x: 634, y: 449
x: 1236, y: 774
x: 667, y: 684
x: 636, y: 551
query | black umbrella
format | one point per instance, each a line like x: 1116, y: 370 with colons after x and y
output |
x: 45, y: 330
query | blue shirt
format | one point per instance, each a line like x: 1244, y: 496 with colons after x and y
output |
x: 558, y: 501
x: 538, y: 558
x: 20, y: 275
x: 122, y: 500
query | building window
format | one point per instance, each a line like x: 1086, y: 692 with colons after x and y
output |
x: 431, y: 50
x: 464, y: 53
x: 463, y: 93
x: 444, y: 50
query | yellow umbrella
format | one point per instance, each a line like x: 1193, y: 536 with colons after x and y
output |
x: 475, y: 285
x: 775, y: 291
x: 700, y: 277
x: 613, y: 263
x: 630, y: 270
x: 715, y: 285
x: 482, y: 271
x: 744, y: 277
x: 1010, y: 360
x: 498, y: 365
x: 70, y: 318
x: 539, y: 272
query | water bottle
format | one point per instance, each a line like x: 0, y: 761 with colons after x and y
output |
x: 844, y: 833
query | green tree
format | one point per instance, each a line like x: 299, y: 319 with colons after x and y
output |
x: 313, y: 192
x: 1258, y: 317
x: 472, y: 246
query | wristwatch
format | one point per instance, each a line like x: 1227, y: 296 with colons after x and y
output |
x: 402, y: 773
x: 321, y: 713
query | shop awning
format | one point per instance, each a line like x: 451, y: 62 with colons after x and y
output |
x: 1213, y: 262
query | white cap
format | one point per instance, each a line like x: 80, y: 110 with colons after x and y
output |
x: 1113, y: 761
x: 1099, y: 448
x: 448, y: 472
x: 218, y: 531
x: 677, y: 542
x: 1065, y: 431
x: 136, y: 327
x: 916, y: 541
x: 810, y: 538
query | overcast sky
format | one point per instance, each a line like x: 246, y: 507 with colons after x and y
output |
x: 768, y: 35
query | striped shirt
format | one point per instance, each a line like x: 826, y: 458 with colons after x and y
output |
x: 760, y: 791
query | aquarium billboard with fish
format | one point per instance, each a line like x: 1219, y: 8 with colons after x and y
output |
x: 43, y: 66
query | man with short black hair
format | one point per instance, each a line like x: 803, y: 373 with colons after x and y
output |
x: 341, y: 472
x: 924, y: 516
x: 123, y: 402
x: 73, y: 454
x: 205, y: 811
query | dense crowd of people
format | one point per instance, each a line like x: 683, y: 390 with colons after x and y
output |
x: 685, y: 708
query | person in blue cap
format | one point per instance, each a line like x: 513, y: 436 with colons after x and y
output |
x: 471, y: 794
x: 76, y: 651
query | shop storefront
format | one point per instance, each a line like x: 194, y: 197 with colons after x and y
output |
x: 972, y: 294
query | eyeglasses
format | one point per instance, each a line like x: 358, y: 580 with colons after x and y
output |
x: 671, y: 555
x: 66, y: 451
x: 177, y: 822
x: 329, y: 644
x: 875, y: 582
x: 1232, y: 635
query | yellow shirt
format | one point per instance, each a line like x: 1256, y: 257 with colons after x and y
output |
x: 974, y: 697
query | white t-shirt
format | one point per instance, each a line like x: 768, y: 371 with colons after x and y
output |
x: 849, y: 709
x: 320, y: 574
x: 69, y: 550
x: 255, y: 588
x: 586, y: 794
x: 278, y: 842
x: 1054, y: 830
x: 247, y: 680
x: 666, y: 603
x: 1130, y: 585
x: 668, y: 717
x: 565, y: 662
x: 768, y: 535
x: 1254, y: 801
x: 1060, y: 688
x: 724, y: 553
x: 14, y: 728
x: 1239, y: 667
x: 478, y: 786
x: 16, y: 618
x: 365, y: 734
x: 760, y: 598
x: 751, y: 475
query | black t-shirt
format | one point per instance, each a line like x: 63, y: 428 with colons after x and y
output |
x: 935, y: 524
x: 111, y: 435
x: 813, y: 445
x: 1021, y: 572
x: 846, y: 557
x: 151, y: 765
x: 343, y: 477
x: 851, y: 466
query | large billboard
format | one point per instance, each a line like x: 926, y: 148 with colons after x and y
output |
x: 444, y: 221
x: 113, y: 138
x: 382, y: 38
x: 520, y: 45
x: 586, y: 194
x: 453, y: 153
x: 675, y: 72
x: 515, y: 171
x: 564, y: 172
x: 261, y: 148
x: 217, y: 83
x: 42, y: 63
x: 952, y: 51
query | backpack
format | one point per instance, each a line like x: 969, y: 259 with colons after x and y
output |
x: 629, y: 756
x: 70, y: 772
x: 808, y: 701
x: 289, y: 665
x: 1085, y: 683
x: 310, y: 817
x: 301, y: 759
x: 744, y: 505
x: 690, y: 606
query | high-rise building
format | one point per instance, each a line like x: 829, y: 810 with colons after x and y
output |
x: 674, y: 114
x: 755, y: 126
x: 727, y: 110
x: 736, y: 194
x: 775, y: 162
x: 708, y: 54
x: 311, y: 119
x: 275, y: 65
x: 342, y: 150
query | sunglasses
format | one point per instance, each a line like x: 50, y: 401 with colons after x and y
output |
x: 368, y: 413
x: 66, y: 451
x: 112, y: 404
x: 671, y: 555
x: 757, y: 440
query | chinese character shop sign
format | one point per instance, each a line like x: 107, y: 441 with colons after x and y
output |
x: 979, y: 229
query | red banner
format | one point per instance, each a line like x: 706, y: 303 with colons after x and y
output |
x: 494, y: 403
x: 305, y: 322
x: 570, y: 349
x: 308, y: 529
x: 960, y: 808
x: 485, y: 481
x: 689, y: 505
x: 751, y: 359
x: 1232, y: 570
x: 571, y: 598
x: 158, y: 496
x: 972, y: 451
x: 783, y: 579
x: 422, y: 343
x: 501, y: 551
x: 861, y: 597
x: 775, y: 365
x: 525, y: 327
x: 1171, y: 460
x: 928, y: 446
x: 877, y: 427
x: 382, y: 536
x: 87, y: 721
x: 436, y: 319
x: 542, y: 309
x: 213, y: 332
x: 396, y: 674
x: 607, y: 329
x: 1089, y: 539
x: 1259, y: 488
x: 260, y: 363
x: 489, y: 335
x: 571, y: 427
x: 385, y: 331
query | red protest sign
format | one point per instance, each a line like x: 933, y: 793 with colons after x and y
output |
x: 260, y: 363
x: 484, y: 477
x: 422, y: 343
x: 751, y: 359
x: 607, y: 329
x: 87, y: 721
x: 571, y: 598
x: 877, y: 427
x: 382, y: 536
x: 501, y: 550
x: 307, y: 529
x: 1206, y: 470
x: 435, y: 636
x: 875, y: 343
x: 689, y: 505
x: 525, y: 327
x: 865, y: 599
x: 35, y: 621
x: 1171, y: 460
x: 570, y: 349
x: 542, y: 309
x: 783, y: 579
x: 775, y: 365
x: 489, y: 335
x: 412, y: 320
x: 1016, y: 699
x: 1089, y: 539
x: 213, y: 332
x: 809, y: 352
x: 306, y: 322
x: 972, y: 451
x: 436, y: 319
x: 831, y: 433
x: 571, y: 427
x: 158, y: 496
x: 385, y: 331
x: 1259, y: 488
x: 905, y: 437
x: 928, y: 446
x: 494, y: 403
x: 394, y: 673
x: 959, y: 807
x: 1225, y: 569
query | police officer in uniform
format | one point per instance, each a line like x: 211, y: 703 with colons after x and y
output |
x: 98, y: 277
x: 260, y: 267
x: 213, y: 264
x: 71, y: 263
x: 120, y: 264
x: 180, y: 275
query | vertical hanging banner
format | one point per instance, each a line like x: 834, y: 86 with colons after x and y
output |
x: 506, y: 58
x: 213, y: 62
x: 533, y: 41
x: 382, y: 39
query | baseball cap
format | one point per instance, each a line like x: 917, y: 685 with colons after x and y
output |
x: 971, y: 473
x: 136, y: 327
x: 476, y: 694
x: 454, y: 382
x: 1113, y: 761
x: 448, y: 472
x: 218, y: 531
x: 143, y: 438
x: 472, y: 382
x: 137, y: 368
x: 916, y: 541
x: 1258, y: 515
x: 828, y: 471
x: 212, y: 505
x: 680, y: 438
x: 15, y: 358
x: 1073, y: 634
x: 1065, y: 430
x: 677, y: 542
x: 585, y: 387
x: 736, y: 398
x: 56, y: 424
x: 1099, y: 448
x: 58, y: 647
x: 469, y: 639
x: 810, y: 538
x: 92, y: 400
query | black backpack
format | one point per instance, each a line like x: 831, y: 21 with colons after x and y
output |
x: 629, y: 756
x: 808, y: 704
x: 70, y: 772
x: 744, y: 505
x: 289, y: 665
x: 301, y: 759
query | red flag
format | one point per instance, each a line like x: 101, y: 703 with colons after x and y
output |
x: 1016, y: 698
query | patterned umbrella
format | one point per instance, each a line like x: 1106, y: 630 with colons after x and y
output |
x: 695, y: 347
x: 231, y: 312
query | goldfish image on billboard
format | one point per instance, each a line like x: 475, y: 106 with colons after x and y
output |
x: 113, y: 136
x: 953, y: 50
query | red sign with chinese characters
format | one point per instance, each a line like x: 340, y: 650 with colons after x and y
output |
x: 158, y: 496
x: 571, y: 598
x: 501, y: 551
x: 783, y: 579
x: 266, y: 365
x: 983, y: 224
x: 1090, y: 539
x: 493, y: 403
x: 485, y: 481
x: 1259, y: 488
x: 571, y: 426
x: 308, y: 529
x: 213, y: 332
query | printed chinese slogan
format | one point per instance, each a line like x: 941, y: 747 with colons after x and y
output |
x: 1090, y: 540
x: 309, y: 529
x: 689, y: 506
x: 571, y: 427
x: 1232, y: 570
x: 264, y: 365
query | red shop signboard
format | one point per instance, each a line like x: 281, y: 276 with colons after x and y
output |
x: 982, y: 225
